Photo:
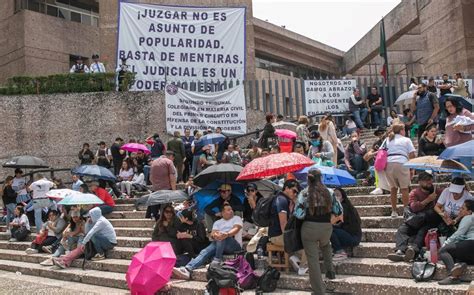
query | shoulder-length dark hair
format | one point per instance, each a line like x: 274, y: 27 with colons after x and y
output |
x: 319, y: 198
x: 455, y: 103
x: 161, y: 221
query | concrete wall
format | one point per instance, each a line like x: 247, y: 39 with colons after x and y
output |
x: 33, y: 43
x: 54, y: 127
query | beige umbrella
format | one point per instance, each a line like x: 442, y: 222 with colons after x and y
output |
x: 437, y: 165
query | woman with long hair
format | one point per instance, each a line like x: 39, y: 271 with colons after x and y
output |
x: 346, y: 231
x: 317, y: 229
x: 400, y: 149
x: 321, y: 151
x: 457, y: 133
x: 327, y: 129
x: 302, y: 132
x: 166, y: 227
x: 430, y: 144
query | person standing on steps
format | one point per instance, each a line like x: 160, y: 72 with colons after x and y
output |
x: 358, y: 108
x: 315, y: 206
x: 410, y: 236
x: 425, y: 105
x: 400, y: 149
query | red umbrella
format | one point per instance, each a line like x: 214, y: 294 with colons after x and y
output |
x: 275, y: 164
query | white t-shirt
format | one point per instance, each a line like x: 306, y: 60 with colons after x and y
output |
x: 223, y: 225
x: 19, y: 185
x: 40, y: 188
x: 22, y: 221
x: 452, y: 206
x: 126, y: 174
x: 399, y: 147
x: 351, y: 124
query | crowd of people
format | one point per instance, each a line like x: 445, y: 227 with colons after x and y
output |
x: 331, y: 224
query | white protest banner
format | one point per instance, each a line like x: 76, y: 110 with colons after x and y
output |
x: 181, y: 44
x: 200, y: 110
x: 323, y: 96
x: 437, y: 82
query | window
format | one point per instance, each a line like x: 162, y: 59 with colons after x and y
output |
x: 52, y: 10
x: 75, y: 17
x: 86, y: 19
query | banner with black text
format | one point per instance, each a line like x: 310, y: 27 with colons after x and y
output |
x: 201, y: 110
x: 328, y: 96
x: 164, y: 44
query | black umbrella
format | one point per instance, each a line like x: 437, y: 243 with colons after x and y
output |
x: 266, y: 187
x: 162, y: 197
x: 25, y: 162
x: 222, y: 172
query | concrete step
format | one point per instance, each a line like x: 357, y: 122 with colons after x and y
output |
x: 378, y: 210
x: 355, y: 284
x: 126, y: 215
x: 378, y: 235
x: 132, y: 223
x: 124, y: 207
x: 365, y: 190
x: 133, y: 232
x: 366, y: 200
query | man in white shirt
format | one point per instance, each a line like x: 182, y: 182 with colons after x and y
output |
x: 227, y: 239
x: 451, y: 200
x: 96, y: 66
x: 79, y: 67
x: 76, y: 183
x: 39, y: 188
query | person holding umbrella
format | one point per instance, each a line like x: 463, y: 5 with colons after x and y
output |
x: 225, y: 196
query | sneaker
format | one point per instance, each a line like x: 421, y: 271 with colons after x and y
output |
x: 458, y: 270
x: 377, y: 191
x: 449, y: 281
x: 339, y: 256
x: 295, y: 263
x: 302, y: 271
x: 31, y: 251
x: 397, y: 256
x: 394, y: 214
x: 98, y: 256
x: 47, y: 262
x: 409, y: 254
x: 13, y: 240
x: 59, y: 263
x: 181, y: 273
x: 330, y: 275
x: 47, y: 249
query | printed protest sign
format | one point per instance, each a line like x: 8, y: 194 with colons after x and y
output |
x: 323, y: 96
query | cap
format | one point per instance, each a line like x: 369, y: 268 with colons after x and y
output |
x: 314, y: 134
x: 456, y: 188
x: 252, y: 186
x: 225, y: 187
x: 379, y: 131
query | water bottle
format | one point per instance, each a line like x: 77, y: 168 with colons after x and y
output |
x: 260, y: 265
x: 260, y: 252
x: 433, y: 251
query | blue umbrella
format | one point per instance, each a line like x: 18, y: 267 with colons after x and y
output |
x: 331, y: 176
x: 213, y: 138
x: 94, y: 171
x: 209, y: 193
x: 461, y: 150
x: 464, y: 102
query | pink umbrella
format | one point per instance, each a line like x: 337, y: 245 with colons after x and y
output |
x: 151, y: 268
x: 283, y: 133
x: 135, y: 147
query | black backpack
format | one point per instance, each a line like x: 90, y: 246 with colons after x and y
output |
x: 268, y: 280
x: 221, y: 277
x: 262, y: 215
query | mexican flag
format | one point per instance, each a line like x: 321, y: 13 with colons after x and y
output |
x: 383, y: 51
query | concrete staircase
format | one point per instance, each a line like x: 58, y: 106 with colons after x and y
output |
x: 367, y: 272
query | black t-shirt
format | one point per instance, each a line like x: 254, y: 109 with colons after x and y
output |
x: 373, y: 98
x: 115, y: 151
x: 445, y: 91
x: 432, y: 89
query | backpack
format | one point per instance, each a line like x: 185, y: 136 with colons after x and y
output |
x: 221, y: 278
x: 381, y: 158
x: 246, y: 277
x: 423, y: 271
x: 269, y: 279
x: 262, y: 215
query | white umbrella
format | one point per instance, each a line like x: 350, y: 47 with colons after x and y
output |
x: 285, y: 125
x: 78, y: 198
x: 59, y: 194
x: 405, y: 96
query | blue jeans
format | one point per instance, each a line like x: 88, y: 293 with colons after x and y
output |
x: 106, y: 209
x: 359, y: 117
x: 146, y: 172
x: 38, y: 218
x: 376, y: 118
x: 348, y: 131
x: 10, y: 213
x: 195, y: 165
x: 215, y: 249
x: 101, y: 244
x: 467, y: 161
x: 341, y: 239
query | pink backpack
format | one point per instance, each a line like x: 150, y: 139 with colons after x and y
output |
x: 381, y: 158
